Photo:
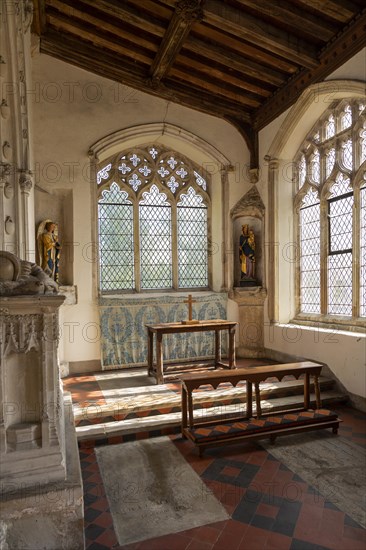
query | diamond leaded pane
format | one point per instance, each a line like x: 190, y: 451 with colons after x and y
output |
x: 116, y: 254
x: 340, y: 284
x: 363, y: 254
x: 346, y: 118
x: 340, y: 224
x: 330, y: 127
x: 155, y: 240
x: 302, y: 171
x: 363, y: 144
x: 310, y: 256
x: 192, y: 241
x: 347, y: 154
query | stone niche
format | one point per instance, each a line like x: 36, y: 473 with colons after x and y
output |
x: 56, y: 205
x: 250, y: 298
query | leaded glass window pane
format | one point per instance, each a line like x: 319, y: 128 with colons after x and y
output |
x: 346, y: 118
x: 340, y: 255
x: 158, y: 178
x: 330, y: 127
x: 340, y: 224
x: 302, y: 171
x: 340, y: 284
x: 116, y: 254
x: 155, y: 240
x: 333, y: 164
x: 363, y: 253
x: 310, y: 254
x: 363, y: 144
x: 347, y: 154
x: 192, y: 241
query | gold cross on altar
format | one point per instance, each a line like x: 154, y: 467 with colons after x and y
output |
x: 190, y: 321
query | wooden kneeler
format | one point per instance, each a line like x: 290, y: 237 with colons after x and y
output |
x: 223, y: 431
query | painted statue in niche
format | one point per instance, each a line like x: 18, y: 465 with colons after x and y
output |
x: 247, y: 256
x: 49, y: 248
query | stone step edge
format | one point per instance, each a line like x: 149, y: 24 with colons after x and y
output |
x: 135, y: 425
x: 124, y: 406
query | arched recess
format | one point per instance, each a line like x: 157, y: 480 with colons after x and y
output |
x: 199, y: 151
x: 313, y: 102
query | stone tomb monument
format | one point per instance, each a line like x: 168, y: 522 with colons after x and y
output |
x: 40, y: 483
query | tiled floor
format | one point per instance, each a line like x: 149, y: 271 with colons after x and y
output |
x: 270, y: 506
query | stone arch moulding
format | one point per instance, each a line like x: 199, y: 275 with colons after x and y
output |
x: 183, y: 141
x: 313, y: 101
x: 136, y: 135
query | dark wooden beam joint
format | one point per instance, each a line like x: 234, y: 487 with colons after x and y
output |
x: 187, y: 12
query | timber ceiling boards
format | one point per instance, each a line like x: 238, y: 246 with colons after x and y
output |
x: 243, y: 60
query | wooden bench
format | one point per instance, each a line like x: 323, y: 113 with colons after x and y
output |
x: 223, y: 431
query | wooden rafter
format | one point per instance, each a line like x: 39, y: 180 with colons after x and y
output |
x: 91, y: 58
x: 290, y: 14
x: 348, y: 43
x: 268, y: 36
x: 185, y: 15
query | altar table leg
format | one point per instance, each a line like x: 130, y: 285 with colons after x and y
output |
x: 150, y: 344
x: 217, y: 347
x: 159, y: 359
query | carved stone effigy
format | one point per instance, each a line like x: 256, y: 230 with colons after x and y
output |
x: 20, y: 277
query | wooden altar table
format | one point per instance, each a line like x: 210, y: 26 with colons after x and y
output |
x: 216, y: 326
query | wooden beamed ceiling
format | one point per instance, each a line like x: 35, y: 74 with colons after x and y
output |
x: 243, y: 60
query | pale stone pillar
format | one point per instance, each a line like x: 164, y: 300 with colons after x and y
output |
x: 250, y: 335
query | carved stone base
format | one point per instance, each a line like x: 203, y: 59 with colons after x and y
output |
x: 250, y: 335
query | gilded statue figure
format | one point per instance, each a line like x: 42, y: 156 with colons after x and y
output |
x: 247, y: 254
x: 49, y: 248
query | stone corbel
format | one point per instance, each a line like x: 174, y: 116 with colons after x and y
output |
x: 25, y: 181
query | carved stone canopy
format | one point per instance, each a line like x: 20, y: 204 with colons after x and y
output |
x: 250, y: 204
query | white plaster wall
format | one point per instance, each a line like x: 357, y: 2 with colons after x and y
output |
x: 343, y: 352
x: 72, y: 109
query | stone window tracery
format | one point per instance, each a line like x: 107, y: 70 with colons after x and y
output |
x: 330, y: 202
x: 153, y: 206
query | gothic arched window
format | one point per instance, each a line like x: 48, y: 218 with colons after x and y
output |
x: 331, y: 206
x: 153, y: 222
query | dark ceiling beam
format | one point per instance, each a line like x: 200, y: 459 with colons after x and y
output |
x: 64, y: 24
x: 90, y: 58
x: 209, y: 34
x: 216, y: 90
x: 234, y: 61
x: 290, y: 14
x: 339, y: 10
x: 184, y: 17
x: 39, y: 17
x: 221, y: 75
x: 346, y: 45
x: 129, y: 16
x: 269, y: 37
x: 68, y: 12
